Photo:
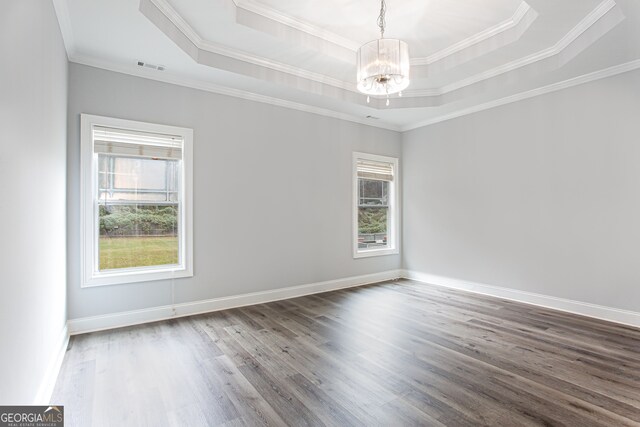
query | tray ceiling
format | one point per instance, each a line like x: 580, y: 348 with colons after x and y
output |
x: 301, y: 54
x: 428, y: 26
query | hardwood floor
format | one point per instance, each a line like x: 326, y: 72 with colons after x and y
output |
x: 394, y: 354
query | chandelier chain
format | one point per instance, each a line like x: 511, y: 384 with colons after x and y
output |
x: 382, y: 23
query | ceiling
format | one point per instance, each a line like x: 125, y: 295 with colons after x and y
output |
x: 466, y: 55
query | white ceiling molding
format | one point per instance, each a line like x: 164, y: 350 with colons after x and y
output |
x: 236, y: 93
x: 147, y: 8
x: 513, y: 23
x: 607, y: 7
x: 289, y: 28
x: 324, y: 45
x: 479, y: 45
x: 166, y: 77
x: 298, y: 24
x: 475, y: 91
x: 267, y: 20
x: 62, y: 13
x: 168, y: 21
x: 587, y: 78
x: 161, y: 14
x: 601, y: 10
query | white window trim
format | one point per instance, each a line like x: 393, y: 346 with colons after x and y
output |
x: 393, y: 234
x: 89, y: 233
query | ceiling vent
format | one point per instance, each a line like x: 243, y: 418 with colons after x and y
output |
x: 152, y: 66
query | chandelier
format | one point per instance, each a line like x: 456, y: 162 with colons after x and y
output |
x: 383, y: 64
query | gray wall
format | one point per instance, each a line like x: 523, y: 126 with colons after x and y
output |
x: 33, y: 97
x: 542, y: 195
x: 300, y: 162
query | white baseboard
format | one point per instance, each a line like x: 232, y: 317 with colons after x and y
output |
x: 43, y: 396
x: 625, y: 317
x: 128, y: 318
x: 135, y: 317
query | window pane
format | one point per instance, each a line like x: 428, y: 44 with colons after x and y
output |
x: 135, y: 235
x: 148, y: 174
x: 138, y: 212
x: 372, y: 227
x: 375, y: 181
x: 373, y: 213
x: 138, y: 179
x: 373, y: 192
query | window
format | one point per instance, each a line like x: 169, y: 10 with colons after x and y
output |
x: 375, y: 213
x: 136, y: 190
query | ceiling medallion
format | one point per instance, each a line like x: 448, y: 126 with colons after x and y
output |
x: 383, y: 64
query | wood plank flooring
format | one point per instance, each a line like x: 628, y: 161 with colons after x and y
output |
x: 393, y: 354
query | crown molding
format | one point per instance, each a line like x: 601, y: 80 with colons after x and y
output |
x: 601, y: 10
x: 176, y: 19
x: 591, y: 19
x: 605, y: 7
x: 237, y: 93
x: 165, y: 77
x: 64, y: 21
x: 185, y: 28
x: 504, y: 26
x: 298, y: 24
x: 586, y: 78
x: 598, y: 13
x: 352, y: 45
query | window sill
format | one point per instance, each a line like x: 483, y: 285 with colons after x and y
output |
x: 135, y: 276
x: 375, y: 252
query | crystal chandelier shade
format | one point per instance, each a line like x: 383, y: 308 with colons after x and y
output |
x: 383, y: 67
x: 383, y: 64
